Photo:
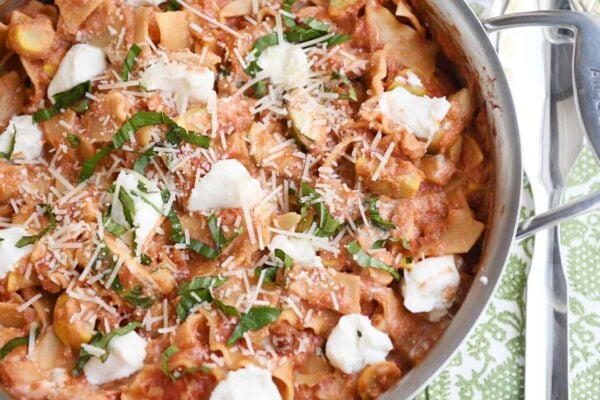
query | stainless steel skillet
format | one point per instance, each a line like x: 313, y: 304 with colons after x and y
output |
x: 456, y: 19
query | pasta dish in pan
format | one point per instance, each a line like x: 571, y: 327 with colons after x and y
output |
x: 231, y: 199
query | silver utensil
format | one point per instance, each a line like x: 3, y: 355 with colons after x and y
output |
x: 547, y: 306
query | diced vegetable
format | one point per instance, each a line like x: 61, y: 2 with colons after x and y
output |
x: 72, y: 334
x: 399, y: 179
x: 437, y: 169
x: 33, y: 38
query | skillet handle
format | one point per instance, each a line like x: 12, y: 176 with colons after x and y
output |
x: 586, y: 83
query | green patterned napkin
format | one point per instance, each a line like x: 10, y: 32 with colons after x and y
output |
x: 490, y: 363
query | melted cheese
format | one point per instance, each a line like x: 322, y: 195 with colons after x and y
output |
x: 81, y: 63
x: 227, y: 185
x: 354, y: 343
x: 126, y: 357
x: 301, y: 250
x: 10, y: 254
x: 28, y: 142
x: 285, y: 64
x: 420, y: 115
x: 146, y: 215
x: 179, y: 81
x: 430, y: 286
x: 247, y: 383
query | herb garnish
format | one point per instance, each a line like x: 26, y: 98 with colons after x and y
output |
x: 351, y: 94
x: 376, y: 218
x: 27, y: 240
x: 173, y: 376
x: 253, y: 320
x: 63, y: 100
x: 327, y: 225
x: 196, y: 291
x: 73, y: 141
x: 16, y: 342
x: 363, y: 259
x: 11, y: 146
x: 133, y: 52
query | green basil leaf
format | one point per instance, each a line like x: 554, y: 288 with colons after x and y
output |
x: 27, y: 240
x: 351, y: 95
x: 63, y: 100
x: 194, y: 292
x: 16, y: 342
x: 365, y: 260
x: 287, y: 260
x: 81, y: 106
x: 139, y: 120
x: 114, y: 228
x: 337, y: 39
x: 145, y: 259
x: 73, y: 141
x: 287, y: 6
x: 316, y: 24
x: 227, y: 310
x: 217, y: 234
x: 327, y: 225
x: 270, y: 274
x: 89, y: 165
x: 167, y: 354
x: 128, y: 206
x: 173, y: 5
x: 256, y: 318
x: 141, y: 163
x: 11, y: 146
x: 101, y: 341
x: 135, y: 297
x: 133, y: 52
x: 376, y: 218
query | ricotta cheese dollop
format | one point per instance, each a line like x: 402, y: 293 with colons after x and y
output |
x: 302, y: 251
x: 354, y: 343
x: 250, y: 382
x: 285, y: 64
x: 421, y: 115
x: 184, y: 84
x: 146, y: 201
x: 126, y: 357
x: 227, y: 185
x: 28, y: 140
x: 81, y: 63
x: 10, y: 254
x: 430, y: 286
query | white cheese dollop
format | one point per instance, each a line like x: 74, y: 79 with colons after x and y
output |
x: 227, y: 185
x: 126, y: 357
x: 285, y: 64
x: 10, y: 254
x: 180, y: 82
x: 421, y: 115
x: 249, y: 382
x: 81, y: 63
x: 354, y: 343
x: 28, y: 142
x: 142, y: 3
x: 430, y: 286
x: 146, y: 204
x: 302, y: 251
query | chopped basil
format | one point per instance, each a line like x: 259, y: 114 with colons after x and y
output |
x: 133, y: 52
x: 145, y: 259
x: 16, y: 342
x: 142, y: 162
x: 128, y: 206
x: 63, y: 100
x: 89, y: 165
x: 351, y: 95
x: 259, y: 46
x: 376, y: 218
x: 270, y: 274
x: 114, y: 228
x: 285, y: 259
x: 11, y: 145
x: 227, y: 309
x: 27, y: 240
x: 101, y: 341
x: 81, y: 106
x: 365, y: 260
x: 327, y: 225
x: 406, y: 244
x: 173, y: 5
x: 256, y: 318
x: 173, y: 376
x: 287, y: 6
x: 196, y: 291
x: 218, y: 235
x: 135, y: 297
x: 175, y: 135
x: 73, y: 141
